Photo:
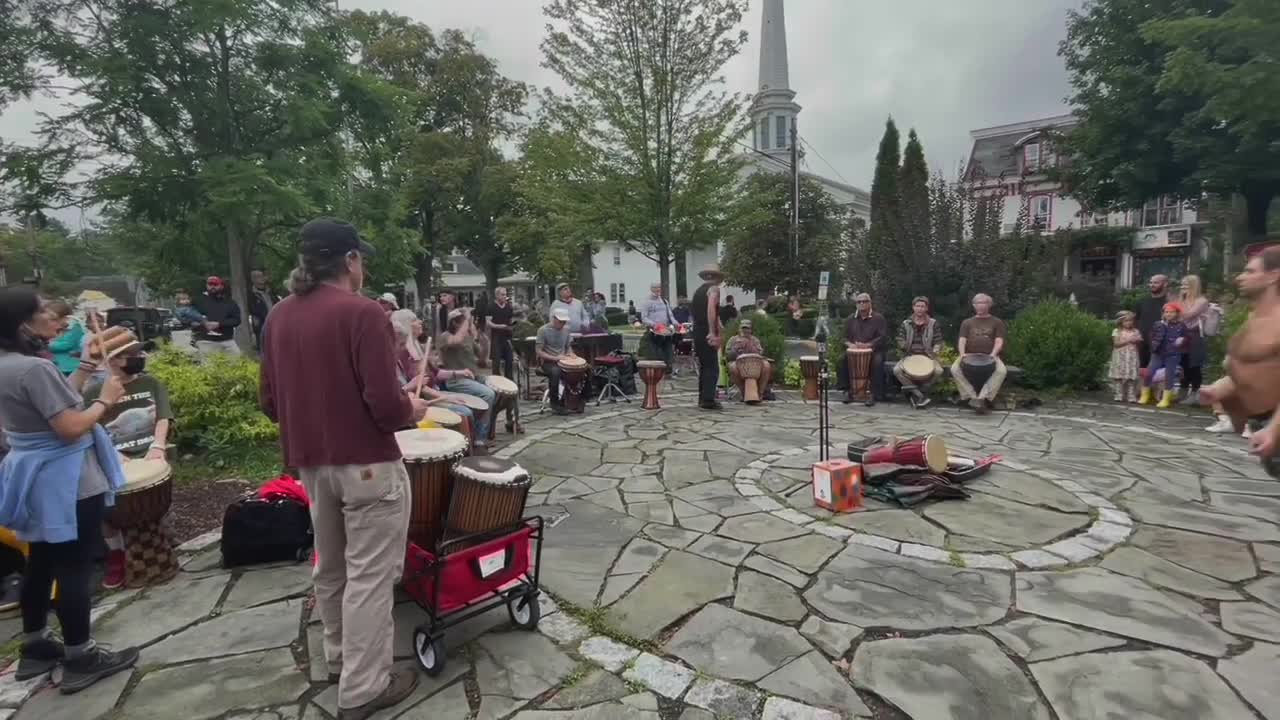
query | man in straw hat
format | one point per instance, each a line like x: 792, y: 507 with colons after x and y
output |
x: 1252, y: 386
x: 327, y: 336
x: 706, y: 334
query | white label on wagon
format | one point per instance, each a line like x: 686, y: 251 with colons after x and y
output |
x: 492, y: 563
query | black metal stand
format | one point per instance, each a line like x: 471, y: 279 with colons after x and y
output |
x: 824, y: 400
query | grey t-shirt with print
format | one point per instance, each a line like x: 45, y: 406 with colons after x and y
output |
x: 32, y: 392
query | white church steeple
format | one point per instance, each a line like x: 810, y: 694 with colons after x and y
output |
x: 774, y: 111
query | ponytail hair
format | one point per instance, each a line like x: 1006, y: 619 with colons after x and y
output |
x: 314, y: 270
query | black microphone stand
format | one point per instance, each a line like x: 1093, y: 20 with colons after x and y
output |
x: 824, y: 400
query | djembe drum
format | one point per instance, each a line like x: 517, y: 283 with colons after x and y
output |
x: 810, y: 366
x: 505, y: 392
x: 978, y: 369
x: 428, y: 456
x: 489, y: 493
x: 750, y: 368
x: 138, y: 513
x: 927, y: 451
x: 574, y: 374
x: 651, y: 372
x: 859, y: 372
x: 918, y: 369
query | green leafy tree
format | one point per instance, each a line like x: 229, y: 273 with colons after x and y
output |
x: 759, y: 255
x: 18, y: 74
x: 214, y: 119
x: 877, y: 250
x: 646, y: 94
x: 1173, y: 99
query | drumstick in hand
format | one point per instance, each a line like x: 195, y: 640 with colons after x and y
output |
x: 422, y: 370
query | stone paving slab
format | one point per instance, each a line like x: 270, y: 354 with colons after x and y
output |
x: 209, y: 689
x: 94, y: 703
x: 245, y: 631
x: 869, y: 587
x: 1207, y: 554
x: 515, y: 667
x: 1034, y: 639
x: 810, y: 678
x: 1253, y: 674
x: 162, y: 610
x: 959, y: 677
x: 1152, y: 684
x: 682, y: 583
x: 735, y: 646
x: 1120, y: 605
x: 1161, y: 573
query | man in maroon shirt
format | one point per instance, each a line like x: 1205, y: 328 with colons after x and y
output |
x: 329, y: 378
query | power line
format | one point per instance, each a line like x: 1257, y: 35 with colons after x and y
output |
x: 824, y: 160
x: 776, y: 160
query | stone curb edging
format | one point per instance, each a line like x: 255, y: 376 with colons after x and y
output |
x: 1112, y: 526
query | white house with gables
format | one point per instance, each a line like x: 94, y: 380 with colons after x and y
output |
x: 1011, y: 161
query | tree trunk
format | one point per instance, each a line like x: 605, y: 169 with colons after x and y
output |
x: 491, y: 277
x: 422, y: 275
x: 585, y: 270
x: 1257, y: 205
x: 238, y: 260
x: 664, y: 271
x: 682, y: 275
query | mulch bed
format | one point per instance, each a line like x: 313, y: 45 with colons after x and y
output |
x: 198, y: 507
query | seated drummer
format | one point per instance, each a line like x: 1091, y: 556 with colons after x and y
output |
x: 866, y: 328
x: 982, y: 334
x: 919, y: 335
x: 461, y: 368
x: 139, y: 425
x: 746, y: 343
x: 552, y: 344
x: 658, y: 318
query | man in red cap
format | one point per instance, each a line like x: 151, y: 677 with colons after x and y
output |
x: 216, y: 335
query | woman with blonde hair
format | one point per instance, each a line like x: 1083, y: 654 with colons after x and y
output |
x: 1194, y: 353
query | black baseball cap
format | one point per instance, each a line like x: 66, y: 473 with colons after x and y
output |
x: 327, y: 237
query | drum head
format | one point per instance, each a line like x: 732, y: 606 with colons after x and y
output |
x: 651, y: 364
x: 935, y: 453
x: 472, y: 402
x: 430, y: 444
x: 808, y: 358
x: 977, y: 361
x: 492, y: 470
x: 572, y: 363
x: 501, y: 385
x: 918, y: 367
x: 443, y: 416
x: 142, y: 474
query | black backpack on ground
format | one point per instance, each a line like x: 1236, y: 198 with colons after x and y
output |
x: 255, y: 530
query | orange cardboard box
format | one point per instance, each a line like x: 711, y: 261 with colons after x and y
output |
x: 837, y: 485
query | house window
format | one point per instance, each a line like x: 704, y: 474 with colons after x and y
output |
x: 447, y: 267
x: 781, y: 123
x: 1164, y: 210
x: 1031, y: 157
x: 617, y: 255
x: 617, y: 293
x: 764, y: 133
x: 1041, y: 211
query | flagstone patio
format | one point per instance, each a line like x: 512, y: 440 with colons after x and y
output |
x: 1118, y: 563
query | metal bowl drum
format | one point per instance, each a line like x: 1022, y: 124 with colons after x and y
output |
x: 489, y: 493
x: 810, y: 366
x: 651, y: 372
x: 978, y: 369
x: 574, y: 374
x: 139, y: 510
x: 428, y: 456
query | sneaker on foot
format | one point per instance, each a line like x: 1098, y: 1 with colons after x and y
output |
x: 1222, y: 426
x: 923, y: 402
x: 113, y: 573
x: 402, y: 685
x: 81, y: 672
x: 37, y: 658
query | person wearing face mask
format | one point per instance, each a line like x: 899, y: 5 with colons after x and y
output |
x: 139, y: 425
x: 329, y: 377
x: 216, y: 335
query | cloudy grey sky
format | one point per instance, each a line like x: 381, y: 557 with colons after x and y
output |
x: 941, y: 66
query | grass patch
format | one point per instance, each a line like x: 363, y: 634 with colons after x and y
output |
x: 597, y: 620
x: 253, y: 462
x: 954, y: 558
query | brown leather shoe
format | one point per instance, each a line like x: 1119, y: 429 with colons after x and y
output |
x: 401, y: 686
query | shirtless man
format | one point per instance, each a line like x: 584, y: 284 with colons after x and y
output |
x: 1252, y: 388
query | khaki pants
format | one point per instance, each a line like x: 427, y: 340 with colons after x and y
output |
x: 360, y: 514
x: 988, y: 392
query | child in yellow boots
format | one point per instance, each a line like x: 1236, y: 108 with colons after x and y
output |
x: 1168, y: 336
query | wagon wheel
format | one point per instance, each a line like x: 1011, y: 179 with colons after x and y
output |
x: 524, y: 611
x: 428, y: 651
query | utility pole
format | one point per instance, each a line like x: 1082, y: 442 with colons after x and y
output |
x: 795, y: 190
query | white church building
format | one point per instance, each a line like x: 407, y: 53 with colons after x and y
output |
x: 623, y: 275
